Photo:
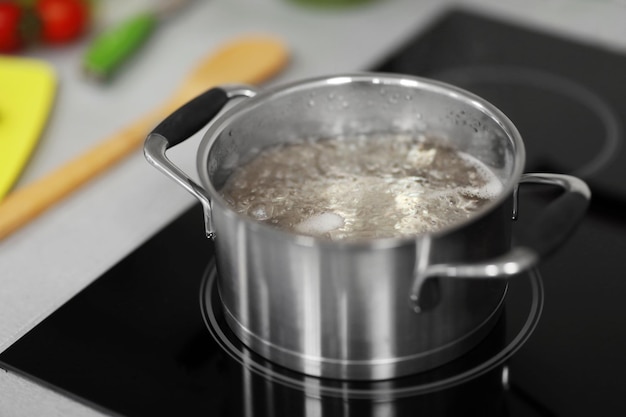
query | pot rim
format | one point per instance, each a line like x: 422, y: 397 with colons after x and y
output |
x: 242, y: 107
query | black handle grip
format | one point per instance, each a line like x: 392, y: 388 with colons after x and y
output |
x: 555, y: 224
x: 192, y: 116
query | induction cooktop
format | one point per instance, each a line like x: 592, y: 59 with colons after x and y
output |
x: 148, y: 338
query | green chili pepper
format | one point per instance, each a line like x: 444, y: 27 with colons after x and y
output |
x: 116, y: 45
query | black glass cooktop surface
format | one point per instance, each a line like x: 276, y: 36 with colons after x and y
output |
x: 146, y: 337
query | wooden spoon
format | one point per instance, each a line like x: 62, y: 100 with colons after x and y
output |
x: 247, y: 60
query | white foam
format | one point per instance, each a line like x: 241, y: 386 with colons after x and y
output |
x: 320, y: 223
x: 492, y: 187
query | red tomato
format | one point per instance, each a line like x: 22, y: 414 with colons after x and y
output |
x: 10, y: 34
x: 62, y: 20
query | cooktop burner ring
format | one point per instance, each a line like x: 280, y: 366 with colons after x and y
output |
x: 522, y: 310
x: 468, y: 76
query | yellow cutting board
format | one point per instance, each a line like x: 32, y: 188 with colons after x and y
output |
x: 27, y: 88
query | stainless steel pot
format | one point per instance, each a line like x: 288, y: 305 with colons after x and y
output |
x: 374, y: 309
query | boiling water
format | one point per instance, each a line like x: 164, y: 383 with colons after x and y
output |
x: 361, y: 187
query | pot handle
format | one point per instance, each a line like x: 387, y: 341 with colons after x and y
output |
x: 181, y: 125
x: 541, y: 238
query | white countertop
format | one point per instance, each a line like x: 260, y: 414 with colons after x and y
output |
x: 47, y: 262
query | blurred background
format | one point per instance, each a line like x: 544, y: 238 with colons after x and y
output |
x: 76, y: 73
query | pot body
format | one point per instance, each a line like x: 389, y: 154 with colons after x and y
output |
x: 346, y: 313
x: 342, y: 309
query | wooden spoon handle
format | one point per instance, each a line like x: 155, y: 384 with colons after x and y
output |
x: 244, y: 61
x: 26, y: 203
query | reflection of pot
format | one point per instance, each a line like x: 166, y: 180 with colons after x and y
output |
x: 264, y: 389
x: 341, y: 309
x: 483, y: 396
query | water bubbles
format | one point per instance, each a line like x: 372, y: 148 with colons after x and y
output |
x: 371, y: 165
x: 361, y: 187
x: 260, y: 211
x: 240, y: 183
